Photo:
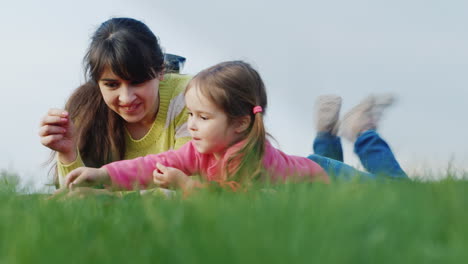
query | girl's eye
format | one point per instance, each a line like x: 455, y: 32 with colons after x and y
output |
x: 190, y: 114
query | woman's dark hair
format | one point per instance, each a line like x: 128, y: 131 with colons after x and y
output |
x: 131, y: 51
x: 127, y: 47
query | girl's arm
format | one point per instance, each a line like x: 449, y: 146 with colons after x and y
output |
x: 138, y: 173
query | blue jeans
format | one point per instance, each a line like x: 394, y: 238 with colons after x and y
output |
x: 374, y: 153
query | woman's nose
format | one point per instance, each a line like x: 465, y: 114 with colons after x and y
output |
x: 127, y: 95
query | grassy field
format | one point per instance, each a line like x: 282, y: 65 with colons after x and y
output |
x: 345, y: 222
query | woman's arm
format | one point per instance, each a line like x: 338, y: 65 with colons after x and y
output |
x: 64, y: 169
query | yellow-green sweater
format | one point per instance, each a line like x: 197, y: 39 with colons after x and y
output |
x: 169, y: 130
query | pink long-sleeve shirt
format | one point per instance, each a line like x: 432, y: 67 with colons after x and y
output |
x: 279, y: 166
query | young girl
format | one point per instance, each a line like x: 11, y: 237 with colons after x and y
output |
x: 226, y: 104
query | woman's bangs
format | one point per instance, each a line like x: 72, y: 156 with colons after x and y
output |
x: 127, y: 63
x: 131, y: 65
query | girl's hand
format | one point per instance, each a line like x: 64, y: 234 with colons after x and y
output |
x: 84, y: 177
x: 166, y: 177
x: 57, y: 132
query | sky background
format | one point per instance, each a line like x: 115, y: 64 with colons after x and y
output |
x: 417, y: 50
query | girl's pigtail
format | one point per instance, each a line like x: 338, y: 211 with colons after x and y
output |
x: 250, y: 156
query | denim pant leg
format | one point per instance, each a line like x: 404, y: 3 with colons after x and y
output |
x: 328, y: 145
x: 329, y: 155
x: 376, y: 156
x: 337, y: 170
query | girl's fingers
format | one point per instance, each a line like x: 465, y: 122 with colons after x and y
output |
x: 157, y: 182
x: 158, y: 173
x: 159, y: 176
x: 160, y: 179
x: 161, y: 167
x: 161, y: 184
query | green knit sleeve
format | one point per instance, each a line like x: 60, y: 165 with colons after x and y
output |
x: 63, y: 169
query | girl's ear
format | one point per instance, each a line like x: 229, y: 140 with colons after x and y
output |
x: 242, y: 124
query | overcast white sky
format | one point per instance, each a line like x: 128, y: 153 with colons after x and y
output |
x: 302, y: 48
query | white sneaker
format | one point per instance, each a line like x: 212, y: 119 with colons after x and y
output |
x: 382, y: 102
x: 327, y: 111
x: 364, y: 116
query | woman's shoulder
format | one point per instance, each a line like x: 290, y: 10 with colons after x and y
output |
x: 171, y: 92
x: 174, y: 83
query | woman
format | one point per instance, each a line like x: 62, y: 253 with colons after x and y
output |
x: 127, y: 108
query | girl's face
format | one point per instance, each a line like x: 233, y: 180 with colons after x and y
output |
x: 208, y: 125
x: 134, y: 102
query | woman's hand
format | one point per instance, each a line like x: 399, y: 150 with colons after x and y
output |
x: 57, y: 132
x: 166, y: 177
x: 84, y: 177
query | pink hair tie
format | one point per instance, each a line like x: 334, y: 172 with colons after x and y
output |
x: 257, y: 109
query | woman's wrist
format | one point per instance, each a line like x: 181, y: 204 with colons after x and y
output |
x: 67, y: 158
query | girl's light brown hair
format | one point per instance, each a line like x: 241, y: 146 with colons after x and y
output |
x: 236, y: 88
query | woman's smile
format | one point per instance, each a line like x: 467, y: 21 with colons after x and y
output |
x: 130, y: 109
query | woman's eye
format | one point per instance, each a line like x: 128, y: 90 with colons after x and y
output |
x: 137, y: 83
x: 112, y: 85
x: 204, y: 117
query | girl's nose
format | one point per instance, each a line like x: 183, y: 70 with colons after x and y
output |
x: 191, y: 124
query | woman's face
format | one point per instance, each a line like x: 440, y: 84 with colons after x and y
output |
x: 134, y: 102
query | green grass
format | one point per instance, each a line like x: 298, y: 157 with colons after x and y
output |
x: 351, y: 222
